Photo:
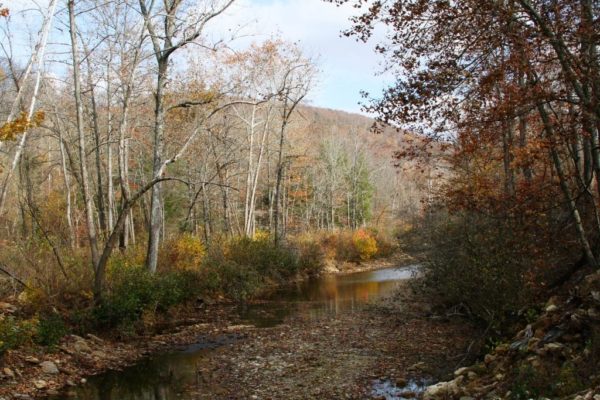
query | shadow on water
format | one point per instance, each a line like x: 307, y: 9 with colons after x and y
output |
x: 178, y: 374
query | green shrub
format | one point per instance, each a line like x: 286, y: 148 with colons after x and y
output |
x: 268, y: 260
x: 242, y: 267
x: 51, y: 328
x: 134, y: 290
x: 15, y: 332
x: 238, y: 282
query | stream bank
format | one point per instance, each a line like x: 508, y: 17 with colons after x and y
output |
x: 353, y: 336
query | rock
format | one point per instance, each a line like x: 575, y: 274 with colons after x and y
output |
x: 472, y: 375
x: 48, y: 367
x: 9, y: 373
x: 95, y: 338
x: 461, y: 371
x: 553, y: 334
x: 533, y: 344
x: 81, y: 346
x: 420, y: 366
x: 401, y: 382
x: 596, y: 296
x: 32, y: 360
x: 551, y: 308
x: 442, y: 390
x: 83, y: 381
x: 52, y: 392
x: 40, y: 384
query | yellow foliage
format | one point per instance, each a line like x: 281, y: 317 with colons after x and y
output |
x: 365, y: 244
x: 185, y: 253
x: 9, y: 130
x: 261, y: 236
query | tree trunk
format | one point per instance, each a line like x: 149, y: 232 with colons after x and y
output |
x: 155, y: 200
x: 89, y: 209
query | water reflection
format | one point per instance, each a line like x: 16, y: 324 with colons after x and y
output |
x: 326, y: 295
x: 179, y: 374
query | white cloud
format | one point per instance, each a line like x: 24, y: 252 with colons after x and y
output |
x: 347, y: 66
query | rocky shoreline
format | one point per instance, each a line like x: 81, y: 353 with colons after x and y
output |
x: 556, y: 355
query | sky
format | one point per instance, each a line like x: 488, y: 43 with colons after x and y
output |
x: 346, y: 66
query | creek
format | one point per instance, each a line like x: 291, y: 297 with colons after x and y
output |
x: 168, y: 376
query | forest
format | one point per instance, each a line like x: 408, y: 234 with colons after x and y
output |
x: 162, y: 185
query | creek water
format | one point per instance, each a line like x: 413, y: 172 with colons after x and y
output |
x: 170, y: 376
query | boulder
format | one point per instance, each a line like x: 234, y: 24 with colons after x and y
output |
x: 48, y: 367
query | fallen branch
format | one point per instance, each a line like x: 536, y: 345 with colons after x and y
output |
x: 12, y: 276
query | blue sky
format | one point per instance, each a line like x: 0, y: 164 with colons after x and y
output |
x: 347, y: 67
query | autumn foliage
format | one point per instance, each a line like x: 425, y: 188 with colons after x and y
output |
x: 507, y: 95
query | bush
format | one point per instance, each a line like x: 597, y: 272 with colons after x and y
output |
x: 311, y: 257
x: 474, y: 263
x: 365, y: 244
x: 134, y: 290
x: 14, y: 332
x: 268, y: 260
x: 51, y: 328
x: 183, y: 253
x: 241, y: 267
x: 387, y: 245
